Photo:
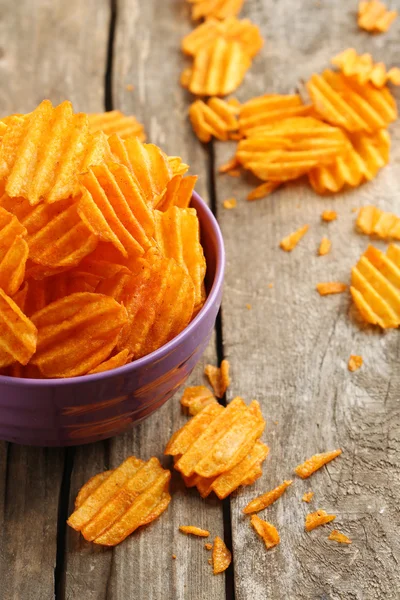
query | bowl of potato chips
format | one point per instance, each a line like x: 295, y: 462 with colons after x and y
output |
x: 111, y: 272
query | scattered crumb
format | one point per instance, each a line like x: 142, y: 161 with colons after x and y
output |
x: 209, y: 561
x: 276, y: 422
x: 270, y: 285
x: 337, y: 536
x: 234, y: 172
x: 318, y: 518
x: 248, y: 306
x: 218, y: 377
x: 290, y: 242
x: 229, y: 203
x: 314, y: 463
x: 298, y: 205
x: 208, y: 546
x: 263, y: 190
x: 192, y: 530
x: 324, y: 247
x: 329, y: 215
x: 130, y: 87
x: 307, y: 497
x: 174, y: 556
x: 355, y: 362
x: 331, y: 287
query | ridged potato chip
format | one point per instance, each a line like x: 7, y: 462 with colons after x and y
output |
x: 18, y: 334
x: 270, y: 108
x: 214, y: 118
x: 363, y: 69
x: 373, y: 221
x: 77, y: 333
x: 220, y: 9
x: 373, y: 16
x: 119, y: 360
x: 196, y: 398
x: 114, y: 121
x: 178, y: 193
x: 13, y: 252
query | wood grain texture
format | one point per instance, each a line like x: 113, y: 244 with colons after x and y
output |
x: 290, y: 351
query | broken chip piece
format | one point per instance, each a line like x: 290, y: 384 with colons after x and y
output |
x: 318, y: 518
x: 196, y: 398
x: 307, y: 496
x: 192, y: 530
x: 355, y: 362
x: 266, y: 499
x: 324, y: 247
x: 266, y: 531
x: 218, y: 377
x: 373, y: 16
x: 331, y: 287
x: 363, y: 69
x: 374, y: 221
x: 337, y: 536
x: 290, y: 242
x: 221, y: 556
x: 315, y: 462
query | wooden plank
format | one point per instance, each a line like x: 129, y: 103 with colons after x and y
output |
x: 290, y: 351
x: 146, y: 55
x: 53, y: 50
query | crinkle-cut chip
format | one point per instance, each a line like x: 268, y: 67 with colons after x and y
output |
x: 266, y: 499
x: 183, y: 439
x: 290, y: 242
x: 263, y: 190
x: 13, y: 252
x: 375, y: 286
x: 192, y: 530
x: 315, y: 462
x: 56, y: 234
x: 363, y: 69
x: 373, y: 16
x: 20, y: 297
x: 266, y: 531
x: 113, y: 208
x: 219, y: 9
x: 355, y: 362
x: 119, y: 360
x: 178, y: 193
x: 150, y: 166
x: 114, y: 121
x: 214, y: 118
x: 221, y: 556
x: 229, y: 203
x: 337, y: 536
x: 326, y: 288
x: 218, y: 69
x: 367, y: 155
x: 218, y: 377
x: 115, y: 503
x: 318, y: 518
x: 177, y: 166
x: 177, y: 234
x: 324, y: 247
x: 18, y: 335
x: 160, y: 302
x: 243, y: 31
x: 77, y: 333
x: 196, y: 398
x: 270, y: 108
x: 329, y: 215
x: 42, y: 154
x: 307, y: 496
x: 342, y: 101
x: 373, y: 221
x: 28, y: 371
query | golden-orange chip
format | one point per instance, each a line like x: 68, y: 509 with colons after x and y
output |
x: 214, y: 118
x: 114, y: 121
x: 196, y: 398
x: 363, y: 69
x: 314, y: 463
x: 329, y: 215
x: 114, y: 504
x: 266, y: 499
x: 337, y: 536
x: 327, y: 288
x: 220, y: 9
x: 266, y: 531
x: 13, y: 252
x: 221, y: 556
x: 373, y: 221
x: 119, y: 360
x: 18, y: 335
x: 178, y: 193
x: 218, y: 377
x: 318, y: 518
x: 307, y: 496
x: 192, y: 530
x: 270, y: 108
x: 373, y: 16
x: 355, y: 362
x: 324, y: 247
x: 290, y: 242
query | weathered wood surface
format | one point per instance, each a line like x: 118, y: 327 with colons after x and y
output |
x: 290, y: 351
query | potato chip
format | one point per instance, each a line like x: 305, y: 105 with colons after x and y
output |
x: 266, y: 499
x: 373, y: 16
x: 177, y: 166
x: 218, y: 377
x: 375, y: 286
x: 373, y: 221
x: 307, y: 496
x: 229, y: 203
x: 337, y: 536
x: 177, y: 234
x: 221, y: 556
x: 324, y: 247
x: 214, y: 118
x: 77, y: 333
x: 18, y: 335
x: 119, y: 360
x: 114, y: 121
x: 191, y: 530
x: 363, y: 69
x: 263, y: 190
x: 355, y: 362
x: 13, y: 252
x: 342, y: 101
x: 270, y: 108
x: 327, y: 288
x: 318, y: 518
x: 132, y: 495
x: 266, y: 531
x: 196, y: 398
x: 329, y: 215
x: 42, y: 154
x: 89, y: 487
x: 368, y: 154
x: 290, y: 242
x: 178, y: 193
x: 219, y: 9
x: 315, y: 462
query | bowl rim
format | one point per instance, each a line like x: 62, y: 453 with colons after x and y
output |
x: 166, y: 348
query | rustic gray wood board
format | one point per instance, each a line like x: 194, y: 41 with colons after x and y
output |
x: 290, y: 351
x: 46, y: 51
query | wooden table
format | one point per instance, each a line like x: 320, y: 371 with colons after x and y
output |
x: 289, y: 351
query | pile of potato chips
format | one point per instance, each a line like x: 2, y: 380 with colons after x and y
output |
x: 100, y: 254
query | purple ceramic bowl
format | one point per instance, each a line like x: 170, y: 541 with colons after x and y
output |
x: 79, y: 410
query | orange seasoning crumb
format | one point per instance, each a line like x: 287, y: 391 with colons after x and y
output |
x: 331, y: 287
x: 318, y: 518
x: 266, y: 499
x: 174, y: 556
x: 208, y: 546
x: 191, y: 530
x: 337, y: 536
x: 270, y: 285
x: 324, y: 247
x: 221, y: 557
x: 229, y: 203
x: 307, y: 497
x: 314, y: 463
x: 130, y: 88
x: 248, y: 306
x: 290, y: 242
x: 329, y: 215
x: 267, y: 531
x: 355, y: 362
x: 218, y: 377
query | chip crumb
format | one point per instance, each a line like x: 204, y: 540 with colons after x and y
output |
x: 324, y: 247
x: 337, y: 536
x: 174, y: 556
x: 289, y: 242
x: 248, y: 306
x: 263, y: 190
x: 318, y: 518
x: 307, y: 497
x: 329, y: 215
x: 229, y: 203
x: 270, y: 285
x: 218, y: 377
x: 221, y: 557
x: 266, y: 499
x: 130, y: 88
x: 354, y: 209
x: 192, y: 530
x: 314, y: 463
x: 355, y: 362
x: 196, y: 397
x: 209, y: 561
x: 331, y: 287
x: 266, y: 531
x: 208, y: 546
